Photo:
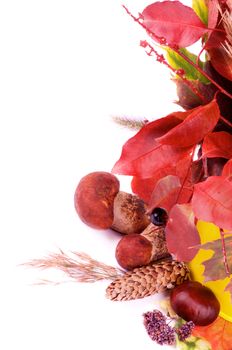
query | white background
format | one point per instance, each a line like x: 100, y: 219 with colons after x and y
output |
x: 66, y: 68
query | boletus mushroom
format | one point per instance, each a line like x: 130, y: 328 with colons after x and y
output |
x: 137, y: 250
x: 101, y: 205
x: 94, y: 199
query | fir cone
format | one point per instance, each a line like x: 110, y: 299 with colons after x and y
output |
x: 147, y: 280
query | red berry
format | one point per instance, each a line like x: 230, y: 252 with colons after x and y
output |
x: 194, y: 302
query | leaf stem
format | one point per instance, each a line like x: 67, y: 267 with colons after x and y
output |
x: 224, y: 252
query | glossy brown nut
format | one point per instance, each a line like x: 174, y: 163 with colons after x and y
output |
x: 133, y: 251
x: 94, y: 199
x: 194, y: 302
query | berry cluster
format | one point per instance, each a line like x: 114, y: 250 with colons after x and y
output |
x: 158, y: 329
x: 185, y: 330
x: 161, y: 332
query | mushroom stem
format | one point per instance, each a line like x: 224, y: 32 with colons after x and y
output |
x: 156, y: 235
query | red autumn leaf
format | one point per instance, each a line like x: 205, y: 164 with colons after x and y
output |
x: 176, y: 23
x: 168, y: 192
x: 192, y: 130
x: 142, y: 156
x: 144, y: 187
x: 181, y: 233
x: 221, y: 61
x: 218, y: 334
x: 214, y: 267
x: 212, y: 201
x: 229, y: 289
x: 227, y: 170
x: 213, y: 11
x: 217, y: 144
x: 215, y: 37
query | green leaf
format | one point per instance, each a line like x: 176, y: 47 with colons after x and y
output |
x: 201, y: 9
x: 177, y: 62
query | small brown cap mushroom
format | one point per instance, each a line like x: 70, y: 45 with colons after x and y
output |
x: 133, y: 251
x: 94, y: 199
x: 129, y: 214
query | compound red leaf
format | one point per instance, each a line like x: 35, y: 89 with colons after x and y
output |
x: 217, y: 144
x: 142, y: 156
x: 176, y: 23
x: 221, y: 61
x: 144, y: 187
x: 193, y: 129
x: 168, y: 192
x: 181, y: 233
x: 227, y: 170
x: 217, y: 36
x: 212, y: 201
x: 188, y: 172
x: 213, y: 11
x: 218, y: 334
x: 165, y: 193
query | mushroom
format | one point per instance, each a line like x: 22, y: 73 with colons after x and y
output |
x: 133, y: 250
x: 94, y: 199
x: 129, y: 214
x: 137, y: 250
x: 101, y: 205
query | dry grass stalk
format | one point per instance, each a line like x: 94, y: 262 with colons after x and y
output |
x: 77, y: 266
x: 130, y: 123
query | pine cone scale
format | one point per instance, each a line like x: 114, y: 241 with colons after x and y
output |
x: 147, y: 280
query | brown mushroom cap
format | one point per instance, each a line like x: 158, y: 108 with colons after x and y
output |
x: 94, y: 199
x: 129, y: 214
x: 133, y: 251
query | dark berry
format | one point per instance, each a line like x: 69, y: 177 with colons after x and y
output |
x: 159, y: 217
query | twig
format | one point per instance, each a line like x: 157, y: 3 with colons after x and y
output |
x: 179, y: 72
x: 163, y: 42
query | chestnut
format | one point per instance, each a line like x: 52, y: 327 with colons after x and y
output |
x: 132, y: 251
x: 194, y: 302
x: 94, y: 199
